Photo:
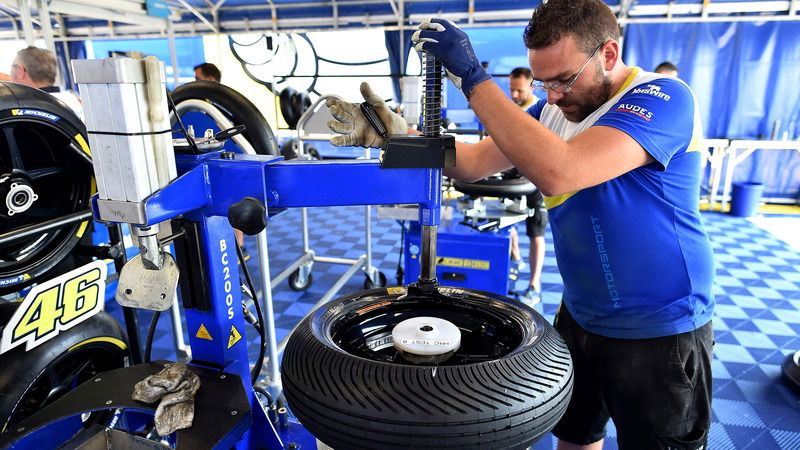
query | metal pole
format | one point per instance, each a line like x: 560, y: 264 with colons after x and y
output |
x: 41, y: 227
x: 269, y: 314
x: 304, y: 225
x: 401, y: 29
x: 431, y: 127
x: 173, y: 54
x: 427, y: 259
x: 372, y: 274
x: 324, y: 299
x: 181, y: 349
x: 27, y: 21
x: 47, y: 31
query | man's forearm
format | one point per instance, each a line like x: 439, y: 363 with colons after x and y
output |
x: 527, y: 144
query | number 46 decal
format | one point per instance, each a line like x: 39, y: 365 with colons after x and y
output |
x: 56, y: 305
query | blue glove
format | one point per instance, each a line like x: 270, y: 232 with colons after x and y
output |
x: 443, y: 39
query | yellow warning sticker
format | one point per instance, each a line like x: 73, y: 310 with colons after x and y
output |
x: 479, y: 264
x: 234, y: 337
x: 395, y: 290
x: 203, y: 333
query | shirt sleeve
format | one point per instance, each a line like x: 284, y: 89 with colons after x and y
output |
x: 659, y: 115
x: 536, y: 109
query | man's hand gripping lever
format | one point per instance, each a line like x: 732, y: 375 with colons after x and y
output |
x: 451, y: 46
x: 358, y: 130
x: 373, y: 124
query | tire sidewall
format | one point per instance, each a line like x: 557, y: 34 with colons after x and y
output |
x: 236, y: 107
x: 491, y: 187
x: 385, y: 405
x: 22, y: 369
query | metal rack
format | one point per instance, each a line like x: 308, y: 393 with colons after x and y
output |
x: 299, y: 272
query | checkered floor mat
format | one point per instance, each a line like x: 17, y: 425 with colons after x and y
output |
x: 757, y: 322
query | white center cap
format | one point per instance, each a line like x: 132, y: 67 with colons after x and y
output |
x: 426, y: 336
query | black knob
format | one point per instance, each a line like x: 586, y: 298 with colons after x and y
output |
x: 249, y: 215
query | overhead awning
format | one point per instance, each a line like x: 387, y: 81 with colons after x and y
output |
x: 81, y: 19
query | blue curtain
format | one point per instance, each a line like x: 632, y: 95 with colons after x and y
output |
x: 77, y: 50
x: 189, y: 52
x: 393, y: 47
x: 747, y: 82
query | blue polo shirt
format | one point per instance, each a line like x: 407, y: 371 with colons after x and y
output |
x: 633, y: 252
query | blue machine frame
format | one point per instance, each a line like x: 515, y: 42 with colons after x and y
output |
x: 208, y: 184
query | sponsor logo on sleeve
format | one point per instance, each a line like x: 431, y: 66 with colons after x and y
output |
x: 652, y: 89
x: 636, y: 110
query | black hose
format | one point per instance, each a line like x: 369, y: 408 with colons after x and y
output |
x: 263, y: 348
x: 400, y: 272
x: 151, y: 331
x: 265, y: 393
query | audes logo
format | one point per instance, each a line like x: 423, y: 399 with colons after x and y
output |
x: 636, y: 110
x: 652, y: 89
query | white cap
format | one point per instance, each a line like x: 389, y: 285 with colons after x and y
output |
x: 426, y: 336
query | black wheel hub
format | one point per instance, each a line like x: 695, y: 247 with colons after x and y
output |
x: 43, y: 176
x: 16, y: 194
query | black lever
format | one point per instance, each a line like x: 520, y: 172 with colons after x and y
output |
x: 230, y: 132
x: 374, y: 120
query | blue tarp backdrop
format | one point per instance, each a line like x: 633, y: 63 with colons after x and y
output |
x: 746, y: 76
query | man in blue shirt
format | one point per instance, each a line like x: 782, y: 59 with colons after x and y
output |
x: 615, y: 151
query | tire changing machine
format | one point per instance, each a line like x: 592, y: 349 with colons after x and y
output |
x: 142, y: 183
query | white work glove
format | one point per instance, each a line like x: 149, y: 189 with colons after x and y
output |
x: 354, y: 129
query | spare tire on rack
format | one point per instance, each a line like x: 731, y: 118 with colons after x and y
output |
x: 496, y: 187
x: 236, y: 107
x: 506, y: 386
x: 45, y: 174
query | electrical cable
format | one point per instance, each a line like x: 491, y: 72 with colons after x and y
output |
x: 189, y: 139
x: 261, y: 332
x: 151, y: 331
x: 400, y: 272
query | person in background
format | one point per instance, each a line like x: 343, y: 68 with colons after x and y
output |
x: 668, y: 69
x: 37, y: 67
x: 519, y: 84
x: 615, y: 151
x: 207, y: 72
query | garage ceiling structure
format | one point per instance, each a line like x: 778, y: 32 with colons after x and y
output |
x: 94, y: 19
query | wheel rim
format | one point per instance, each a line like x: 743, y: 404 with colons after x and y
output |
x: 43, y: 158
x: 61, y: 376
x: 487, y: 333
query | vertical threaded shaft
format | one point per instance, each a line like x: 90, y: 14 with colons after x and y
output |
x: 432, y: 86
